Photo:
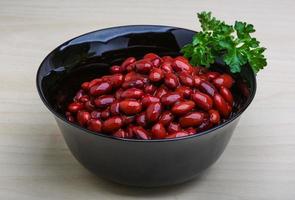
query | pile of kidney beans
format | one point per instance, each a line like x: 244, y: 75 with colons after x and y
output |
x: 153, y: 98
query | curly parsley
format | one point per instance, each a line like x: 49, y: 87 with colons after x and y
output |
x: 233, y: 44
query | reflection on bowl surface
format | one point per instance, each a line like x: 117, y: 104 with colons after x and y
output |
x: 133, y: 162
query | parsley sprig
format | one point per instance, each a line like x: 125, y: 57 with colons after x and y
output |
x: 233, y: 44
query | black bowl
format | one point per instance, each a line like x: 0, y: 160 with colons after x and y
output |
x: 130, y: 161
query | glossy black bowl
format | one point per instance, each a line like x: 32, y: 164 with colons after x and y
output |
x: 129, y: 161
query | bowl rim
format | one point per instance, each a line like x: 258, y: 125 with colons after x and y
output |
x: 61, y: 117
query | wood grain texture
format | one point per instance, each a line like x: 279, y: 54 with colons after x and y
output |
x: 259, y: 162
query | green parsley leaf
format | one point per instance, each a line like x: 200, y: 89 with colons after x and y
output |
x: 233, y: 44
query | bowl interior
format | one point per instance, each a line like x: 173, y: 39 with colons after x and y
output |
x: 90, y: 55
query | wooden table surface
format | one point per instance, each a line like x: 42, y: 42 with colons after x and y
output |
x: 35, y: 163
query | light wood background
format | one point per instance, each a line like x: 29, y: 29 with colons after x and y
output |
x: 259, y: 162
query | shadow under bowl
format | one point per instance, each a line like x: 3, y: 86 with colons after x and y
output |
x: 129, y: 161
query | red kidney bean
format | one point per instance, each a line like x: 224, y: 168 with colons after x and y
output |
x: 170, y: 98
x: 156, y: 75
x: 173, y: 127
x: 75, y: 107
x: 157, y: 62
x: 127, y: 62
x: 203, y: 77
x: 83, y: 117
x: 182, y: 59
x: 150, y: 89
x: 85, y: 86
x: 84, y: 98
x: 183, y: 107
x: 154, y: 58
x: 181, y: 64
x: 150, y: 56
x: 123, y: 134
x: 184, y: 91
x: 128, y: 119
x: 133, y: 79
x: 197, y: 80
x: 153, y: 112
x: 148, y: 99
x: 186, y: 79
x: 68, y: 113
x: 89, y: 105
x: 143, y: 66
x: 78, y: 95
x: 177, y: 134
x: 105, y: 114
x: 160, y: 92
x: 208, y: 88
x: 133, y: 83
x: 227, y: 95
x: 129, y: 131
x: 221, y: 105
x: 132, y: 93
x: 214, y: 116
x: 94, y: 82
x: 130, y: 107
x: 104, y: 101
x: 191, y: 119
x: 166, y: 118
x: 115, y: 108
x: 133, y: 76
x: 141, y: 133
x: 158, y: 131
x: 120, y: 133
x: 112, y: 124
x: 95, y: 114
x: 212, y: 75
x: 141, y: 119
x: 167, y: 59
x: 100, y: 88
x: 223, y: 80
x: 106, y: 78
x: 191, y: 131
x: 166, y: 67
x: 130, y: 67
x: 202, y: 100
x: 171, y: 81
x: 130, y: 76
x: 116, y: 80
x: 70, y: 118
x: 206, y: 124
x: 116, y: 69
x: 94, y: 125
x: 196, y: 71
